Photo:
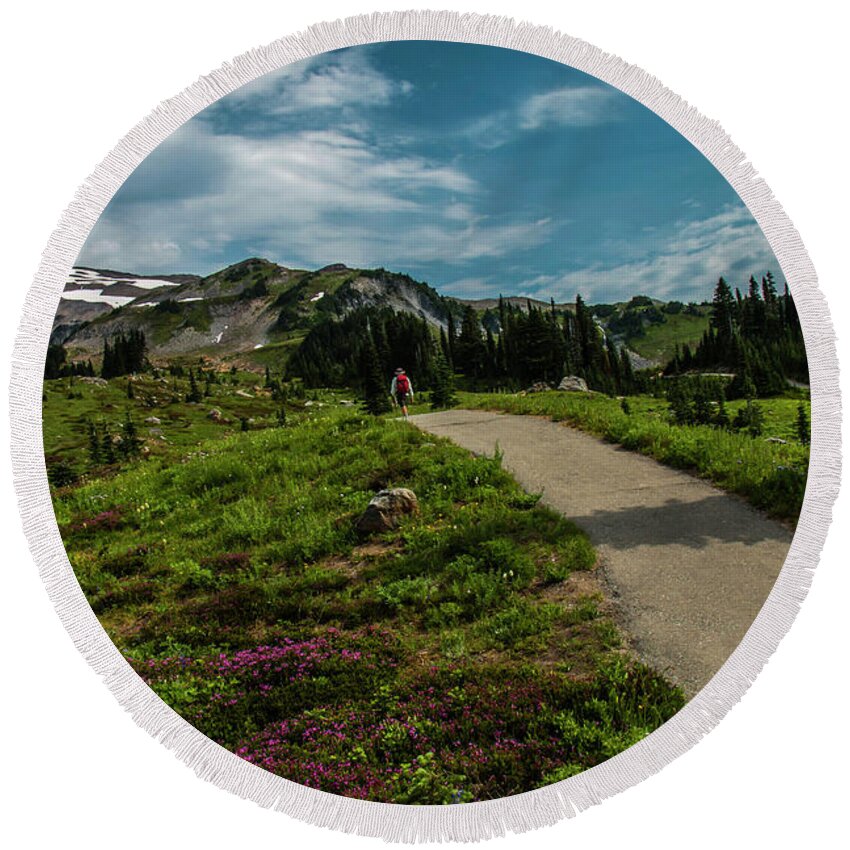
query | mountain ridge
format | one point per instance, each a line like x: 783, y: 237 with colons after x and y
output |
x: 255, y: 312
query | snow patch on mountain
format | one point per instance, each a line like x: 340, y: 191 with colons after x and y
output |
x: 97, y: 296
x: 112, y: 289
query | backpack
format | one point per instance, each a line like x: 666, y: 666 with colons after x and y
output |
x: 402, y: 385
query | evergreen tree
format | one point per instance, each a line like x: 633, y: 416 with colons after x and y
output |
x: 721, y: 418
x: 451, y: 336
x: 108, y: 447
x: 679, y: 399
x: 124, y: 354
x: 130, y: 392
x: 131, y: 444
x: 723, y: 316
x: 442, y: 393
x: 194, y: 395
x: 491, y: 363
x: 470, y: 351
x: 444, y: 344
x: 62, y: 474
x: 759, y: 338
x: 54, y: 363
x: 375, y: 395
x: 750, y: 418
x: 95, y: 453
x: 626, y: 372
x: 613, y: 362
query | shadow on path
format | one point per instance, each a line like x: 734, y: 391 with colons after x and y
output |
x: 694, y: 524
x: 691, y: 565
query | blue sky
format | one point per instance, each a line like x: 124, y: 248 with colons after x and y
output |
x: 478, y: 169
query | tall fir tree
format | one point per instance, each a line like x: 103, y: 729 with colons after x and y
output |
x: 375, y: 393
x: 470, y: 349
x: 442, y: 392
x: 194, y: 395
x: 95, y: 450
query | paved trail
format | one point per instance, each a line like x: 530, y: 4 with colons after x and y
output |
x: 689, y: 565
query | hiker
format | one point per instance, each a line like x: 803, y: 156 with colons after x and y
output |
x: 401, y: 390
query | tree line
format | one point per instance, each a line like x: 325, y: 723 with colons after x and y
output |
x: 56, y: 365
x: 514, y: 347
x: 345, y: 352
x: 757, y: 336
x: 123, y: 354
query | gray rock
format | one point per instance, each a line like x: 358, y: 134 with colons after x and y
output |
x: 383, y: 512
x: 215, y: 415
x: 155, y: 432
x: 539, y: 387
x: 153, y: 420
x: 96, y: 382
x: 778, y: 440
x: 346, y: 403
x: 243, y: 394
x: 573, y: 384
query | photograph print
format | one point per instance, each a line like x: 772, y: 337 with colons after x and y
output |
x: 426, y: 422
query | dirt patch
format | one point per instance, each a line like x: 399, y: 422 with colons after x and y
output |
x: 362, y: 556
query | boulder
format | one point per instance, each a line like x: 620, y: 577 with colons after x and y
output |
x: 215, y: 415
x: 386, y: 507
x: 573, y: 384
x: 539, y: 387
x: 94, y: 381
x: 346, y: 403
x: 153, y: 420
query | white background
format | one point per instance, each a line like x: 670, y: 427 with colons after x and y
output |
x: 77, y: 76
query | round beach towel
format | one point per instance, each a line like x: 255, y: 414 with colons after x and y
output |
x: 422, y: 424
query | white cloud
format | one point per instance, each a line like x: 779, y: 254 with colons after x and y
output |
x: 578, y: 107
x: 491, y: 131
x: 583, y: 106
x: 685, y: 265
x: 310, y: 196
x: 322, y: 82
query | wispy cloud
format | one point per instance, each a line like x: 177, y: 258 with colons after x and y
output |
x: 577, y: 107
x: 329, y: 81
x: 584, y: 106
x: 307, y: 198
x: 683, y: 265
x: 405, y: 155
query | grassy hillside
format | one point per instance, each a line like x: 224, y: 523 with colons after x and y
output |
x: 465, y: 655
x: 658, y: 341
x: 70, y: 404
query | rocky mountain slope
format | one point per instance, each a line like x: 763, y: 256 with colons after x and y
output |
x: 255, y: 312
x: 236, y: 312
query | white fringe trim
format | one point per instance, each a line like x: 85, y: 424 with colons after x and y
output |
x: 473, y: 821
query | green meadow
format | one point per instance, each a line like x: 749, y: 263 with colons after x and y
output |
x: 466, y: 654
